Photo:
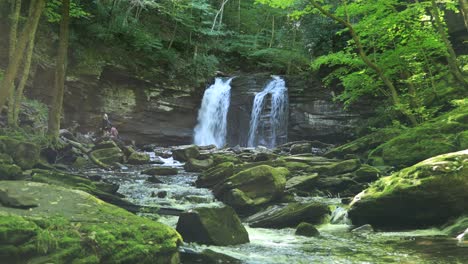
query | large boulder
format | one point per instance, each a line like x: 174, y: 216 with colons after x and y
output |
x: 24, y: 154
x: 108, y: 155
x: 184, y: 153
x: 67, y: 226
x: 290, y: 215
x: 195, y: 165
x: 337, y: 168
x: 306, y: 229
x: 138, y: 158
x: 303, y: 182
x: 253, y: 187
x: 212, y: 226
x: 426, y: 194
x: 10, y: 172
x: 215, y: 175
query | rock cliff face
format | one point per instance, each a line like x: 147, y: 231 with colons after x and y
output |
x: 163, y: 113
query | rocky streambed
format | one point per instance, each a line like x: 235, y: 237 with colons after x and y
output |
x: 270, y: 219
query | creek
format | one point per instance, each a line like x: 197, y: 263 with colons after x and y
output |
x: 336, y: 244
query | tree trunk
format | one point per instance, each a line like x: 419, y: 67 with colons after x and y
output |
x: 451, y: 56
x: 60, y: 71
x: 393, y: 91
x: 13, y: 66
x: 464, y: 11
x: 24, y: 78
x: 15, y: 13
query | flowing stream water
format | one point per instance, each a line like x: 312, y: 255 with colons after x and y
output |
x: 336, y: 244
x: 212, y: 116
x: 269, y: 128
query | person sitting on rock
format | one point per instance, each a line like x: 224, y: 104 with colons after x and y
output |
x: 106, y: 124
x: 114, y: 134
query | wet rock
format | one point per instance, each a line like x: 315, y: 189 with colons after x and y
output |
x: 303, y: 183
x: 426, y: 194
x: 253, y: 187
x: 363, y: 229
x: 212, y: 226
x: 215, y: 175
x: 237, y: 149
x: 195, y: 165
x: 162, y: 171
x: 290, y: 215
x: 108, y: 155
x: 207, y: 256
x: 162, y: 194
x: 306, y: 229
x: 138, y: 158
x: 153, y: 179
x: 184, y: 153
x: 208, y: 147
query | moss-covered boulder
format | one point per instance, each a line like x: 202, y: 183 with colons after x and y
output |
x: 10, y: 172
x: 219, y: 158
x: 212, y: 226
x: 306, y: 229
x: 303, y: 182
x: 195, y: 165
x: 438, y: 136
x: 108, y: 155
x: 366, y: 173
x: 5, y: 159
x: 290, y: 215
x: 138, y: 158
x: 24, y: 154
x: 184, y: 153
x: 159, y: 170
x: 337, y: 168
x: 71, y: 226
x: 363, y: 145
x: 215, y: 175
x: 253, y: 187
x: 426, y: 194
x: 340, y: 185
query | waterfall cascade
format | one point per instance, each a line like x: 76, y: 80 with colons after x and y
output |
x: 269, y: 118
x: 212, y: 123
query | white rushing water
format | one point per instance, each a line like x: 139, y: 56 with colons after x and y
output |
x: 212, y: 116
x: 269, y: 129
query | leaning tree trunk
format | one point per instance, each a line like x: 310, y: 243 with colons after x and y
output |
x: 24, y: 77
x: 376, y: 68
x: 14, y: 64
x: 451, y: 56
x: 15, y: 13
x: 60, y: 71
x: 464, y: 10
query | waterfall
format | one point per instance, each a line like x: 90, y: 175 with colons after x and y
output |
x: 269, y: 128
x: 211, y: 126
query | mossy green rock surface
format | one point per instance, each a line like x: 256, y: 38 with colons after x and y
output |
x: 290, y: 215
x: 72, y: 226
x: 337, y: 168
x: 138, y: 158
x: 9, y: 172
x: 184, y: 153
x: 212, y: 226
x: 24, y: 154
x: 426, y: 194
x: 441, y: 135
x: 252, y: 187
x: 108, y: 155
x: 215, y: 175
